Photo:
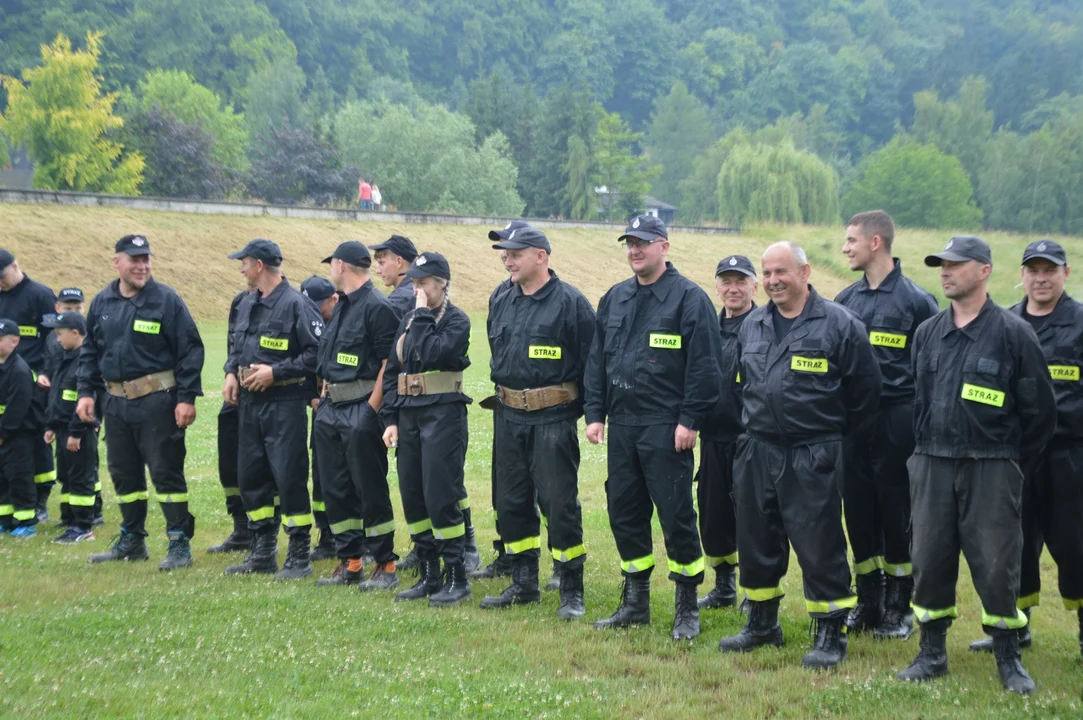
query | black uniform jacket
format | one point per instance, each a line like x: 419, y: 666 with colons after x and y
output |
x: 724, y: 422
x: 63, y: 396
x: 18, y: 416
x: 27, y: 303
x: 358, y: 338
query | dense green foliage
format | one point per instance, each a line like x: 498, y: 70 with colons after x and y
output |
x: 995, y: 83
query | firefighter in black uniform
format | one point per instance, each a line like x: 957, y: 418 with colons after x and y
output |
x: 27, y: 302
x: 240, y: 539
x: 735, y: 283
x: 143, y: 356
x: 425, y: 409
x: 1052, y: 493
x: 876, y: 486
x: 271, y: 374
x: 349, y: 433
x: 984, y: 403
x: 76, y: 441
x: 324, y: 296
x: 501, y: 564
x: 539, y: 334
x: 19, y: 423
x: 653, y: 374
x: 809, y: 378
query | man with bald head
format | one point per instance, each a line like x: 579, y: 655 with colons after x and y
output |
x: 809, y: 378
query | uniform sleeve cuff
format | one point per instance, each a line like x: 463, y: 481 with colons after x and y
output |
x: 592, y: 418
x: 689, y: 422
x: 188, y: 398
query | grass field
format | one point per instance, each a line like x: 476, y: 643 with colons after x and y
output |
x: 128, y: 641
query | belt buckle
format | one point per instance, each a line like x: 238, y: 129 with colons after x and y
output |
x: 526, y: 402
x: 415, y: 387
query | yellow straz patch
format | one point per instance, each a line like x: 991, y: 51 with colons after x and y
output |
x: 28, y: 331
x: 346, y: 359
x: 810, y: 365
x: 1064, y: 372
x: 983, y: 395
x: 147, y: 326
x: 69, y: 395
x: 665, y: 342
x: 280, y: 344
x: 884, y: 339
x: 544, y: 352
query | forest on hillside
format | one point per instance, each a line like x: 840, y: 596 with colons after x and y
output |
x: 961, y: 113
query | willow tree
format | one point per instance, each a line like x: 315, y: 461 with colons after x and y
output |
x: 777, y: 184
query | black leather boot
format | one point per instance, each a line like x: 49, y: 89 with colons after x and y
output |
x: 179, y: 554
x: 635, y: 604
x: 524, y: 586
x: 724, y: 592
x: 829, y: 643
x: 554, y: 579
x: 263, y: 556
x: 572, y: 602
x: 297, y: 564
x: 128, y: 546
x: 1012, y: 673
x: 325, y: 547
x: 898, y: 621
x: 499, y: 567
x: 685, y: 612
x: 869, y: 611
x: 427, y: 584
x: 456, y: 587
x: 932, y: 660
x: 239, y: 540
x: 762, y: 628
x: 471, y: 555
x: 343, y: 575
x: 1025, y: 640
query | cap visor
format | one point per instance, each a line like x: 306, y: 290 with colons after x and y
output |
x: 328, y: 259
x: 512, y: 245
x: 498, y: 235
x: 239, y: 255
x: 639, y: 235
x: 415, y: 272
x: 938, y: 259
x: 743, y: 271
x: 378, y: 247
x: 135, y: 252
x: 1043, y: 256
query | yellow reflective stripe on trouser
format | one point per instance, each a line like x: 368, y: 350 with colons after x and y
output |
x: 923, y: 615
x: 1028, y: 601
x: 450, y: 533
x: 318, y: 506
x: 1004, y: 623
x: 231, y: 492
x: 6, y: 510
x: 297, y: 520
x: 381, y: 529
x: 98, y: 486
x: 830, y: 606
x: 570, y: 554
x: 24, y: 514
x: 261, y: 513
x: 45, y: 477
x: 900, y: 570
x: 81, y: 500
x: 464, y: 504
x: 544, y: 520
x: 867, y: 566
x: 530, y: 543
x: 715, y: 560
x: 64, y: 497
x: 687, y: 569
x: 132, y: 497
x: 416, y: 528
x: 350, y: 524
x: 762, y: 594
x: 1069, y: 604
x: 638, y: 565
x: 277, y: 501
x: 174, y: 498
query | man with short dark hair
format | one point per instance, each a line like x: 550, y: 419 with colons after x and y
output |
x: 984, y: 403
x: 394, y: 257
x: 876, y: 486
x: 271, y: 374
x: 144, y: 357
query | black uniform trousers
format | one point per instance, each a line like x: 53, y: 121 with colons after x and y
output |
x: 972, y: 505
x: 272, y: 463
x: 352, y: 461
x: 714, y: 494
x: 644, y: 472
x: 792, y: 495
x: 876, y: 491
x: 18, y: 495
x: 431, y: 457
x: 498, y: 544
x: 1053, y: 516
x: 44, y: 469
x: 143, y: 434
x: 228, y: 423
x: 319, y: 505
x: 539, y: 464
x: 81, y: 491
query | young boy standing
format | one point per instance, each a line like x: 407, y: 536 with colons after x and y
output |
x: 76, y: 441
x: 18, y: 494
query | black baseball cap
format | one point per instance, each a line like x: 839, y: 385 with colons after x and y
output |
x: 398, y: 244
x: 960, y: 249
x: 523, y: 238
x: 69, y: 320
x: 1046, y: 250
x: 6, y: 258
x: 133, y: 245
x: 645, y: 227
x: 429, y: 263
x: 265, y: 251
x: 70, y: 294
x: 317, y: 289
x: 351, y: 252
x: 498, y: 235
x: 736, y: 263
x: 8, y: 327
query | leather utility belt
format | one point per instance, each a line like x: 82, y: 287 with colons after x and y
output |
x: 245, y: 372
x: 433, y: 383
x: 142, y: 386
x: 538, y: 398
x: 349, y: 391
